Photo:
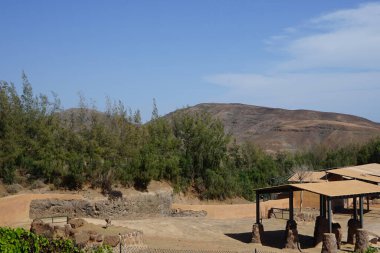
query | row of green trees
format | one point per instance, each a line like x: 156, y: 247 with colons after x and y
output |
x: 189, y: 149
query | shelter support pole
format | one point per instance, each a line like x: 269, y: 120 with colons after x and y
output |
x: 329, y: 214
x: 355, y: 209
x: 291, y: 208
x: 361, y: 211
x: 257, y: 208
x: 322, y: 211
x: 368, y: 203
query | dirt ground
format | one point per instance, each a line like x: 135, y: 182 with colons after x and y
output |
x: 230, y: 234
x: 14, y: 210
x: 226, y: 228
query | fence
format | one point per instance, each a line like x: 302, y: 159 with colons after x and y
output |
x: 56, y: 219
x: 278, y: 213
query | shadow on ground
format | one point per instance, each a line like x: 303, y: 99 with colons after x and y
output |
x: 274, y: 239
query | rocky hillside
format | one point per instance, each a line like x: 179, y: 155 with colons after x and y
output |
x: 278, y: 129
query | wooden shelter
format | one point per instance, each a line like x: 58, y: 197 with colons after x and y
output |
x: 368, y: 173
x: 327, y: 192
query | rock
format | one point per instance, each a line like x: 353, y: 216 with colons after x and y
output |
x: 99, y: 238
x: 111, y: 240
x: 92, y: 235
x: 115, y: 195
x: 187, y: 213
x: 329, y: 243
x: 108, y: 222
x: 60, y: 233
x: 374, y: 240
x: 321, y: 227
x: 257, y: 232
x: 40, y: 228
x: 337, y: 230
x: 81, y: 238
x: 362, y: 242
x: 291, y: 235
x: 69, y: 230
x: 352, y: 227
x: 76, y: 223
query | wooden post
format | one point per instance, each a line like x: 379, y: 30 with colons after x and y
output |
x: 329, y: 214
x: 361, y: 211
x: 321, y: 205
x: 291, y: 208
x: 355, y: 209
x: 368, y: 203
x: 257, y: 208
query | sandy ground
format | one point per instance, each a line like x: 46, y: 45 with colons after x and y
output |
x: 14, y: 210
x: 234, y: 211
x: 230, y: 234
x: 226, y: 228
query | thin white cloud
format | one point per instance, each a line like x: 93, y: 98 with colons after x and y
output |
x: 336, y: 53
x: 342, y: 39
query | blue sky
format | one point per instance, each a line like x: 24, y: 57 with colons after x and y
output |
x: 321, y: 55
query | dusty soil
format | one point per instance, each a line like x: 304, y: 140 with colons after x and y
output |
x: 230, y: 234
x: 226, y: 228
x: 234, y: 211
x: 14, y: 210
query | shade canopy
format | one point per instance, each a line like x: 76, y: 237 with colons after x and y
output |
x: 369, y: 172
x: 331, y: 189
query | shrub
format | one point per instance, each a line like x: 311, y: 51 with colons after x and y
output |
x: 20, y: 240
x: 37, y: 184
x: 13, y: 188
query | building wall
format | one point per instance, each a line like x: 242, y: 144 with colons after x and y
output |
x: 310, y: 200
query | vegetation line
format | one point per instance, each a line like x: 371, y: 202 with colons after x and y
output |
x: 190, y: 150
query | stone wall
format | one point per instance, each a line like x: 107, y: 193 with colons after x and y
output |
x: 140, y: 206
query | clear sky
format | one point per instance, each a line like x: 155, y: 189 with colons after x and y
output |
x: 295, y: 54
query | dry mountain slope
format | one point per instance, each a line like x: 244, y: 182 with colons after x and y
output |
x: 279, y: 129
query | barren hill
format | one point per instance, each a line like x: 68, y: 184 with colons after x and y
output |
x: 279, y: 129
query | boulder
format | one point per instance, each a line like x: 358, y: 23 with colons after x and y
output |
x: 329, y: 243
x: 81, y: 238
x: 291, y: 235
x: 111, y: 240
x: 352, y: 227
x: 40, y: 228
x: 76, y: 223
x: 60, y: 233
x: 361, y: 242
x: 257, y: 232
x: 321, y: 227
x: 337, y: 230
x: 99, y: 238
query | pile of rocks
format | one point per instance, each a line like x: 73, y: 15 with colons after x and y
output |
x: 86, y: 235
x: 178, y: 212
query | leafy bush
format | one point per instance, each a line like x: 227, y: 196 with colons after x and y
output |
x: 13, y: 188
x: 22, y: 241
x: 371, y: 250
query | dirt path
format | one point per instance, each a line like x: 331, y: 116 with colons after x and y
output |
x: 192, y: 233
x: 235, y: 211
x: 14, y: 210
